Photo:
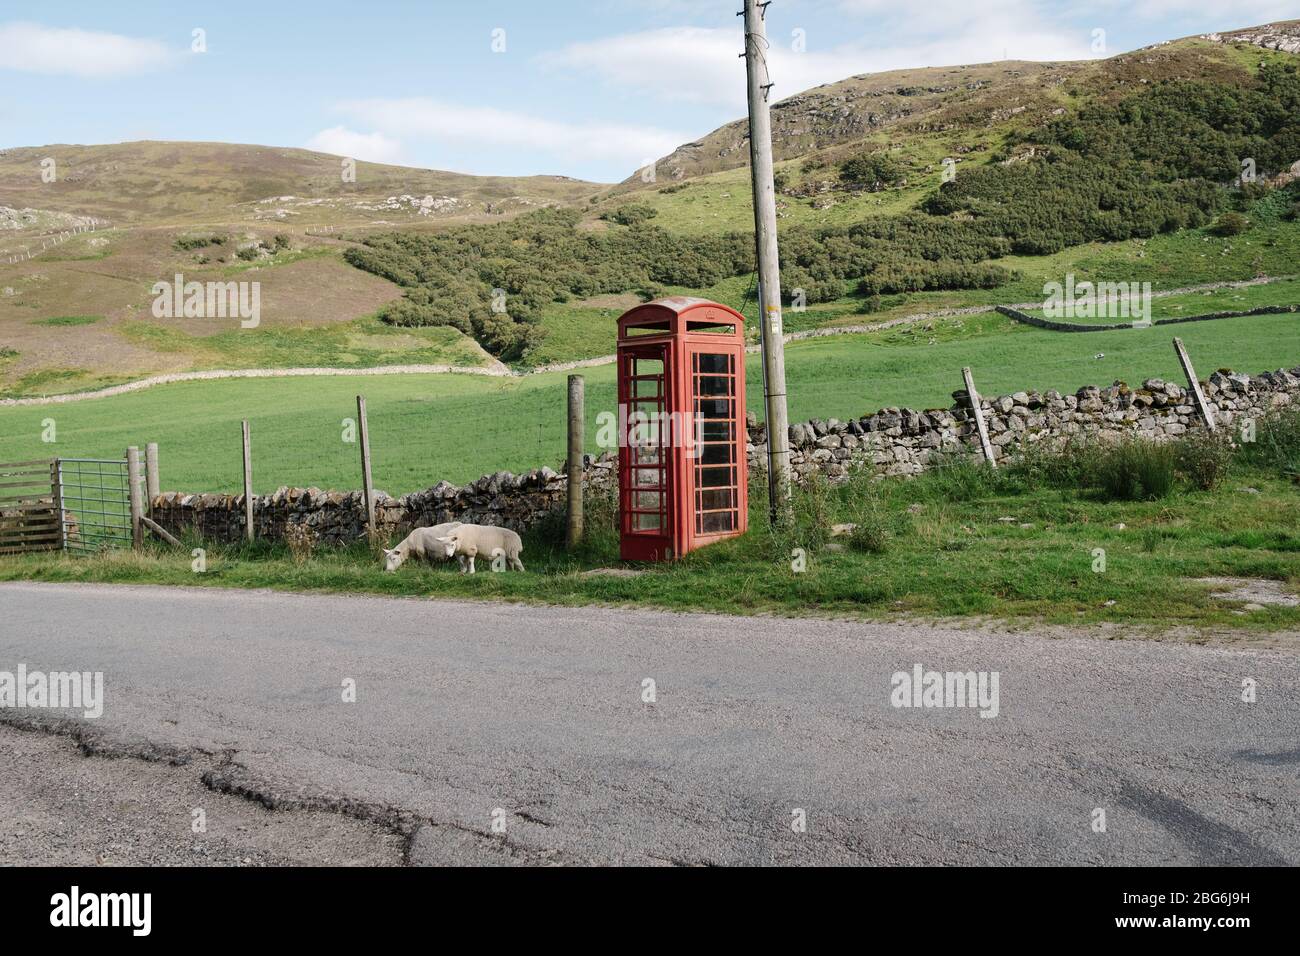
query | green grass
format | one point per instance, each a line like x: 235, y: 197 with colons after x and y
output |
x: 62, y: 320
x: 364, y: 343
x: 572, y: 331
x: 944, y: 553
x: 425, y: 428
x: 1284, y: 292
x: 1174, y: 261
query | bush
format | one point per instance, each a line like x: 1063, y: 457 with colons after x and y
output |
x: 969, y: 477
x: 249, y: 253
x: 872, y: 528
x: 1136, y: 469
x: 301, y: 542
x: 632, y: 214
x: 874, y: 171
x: 1072, y: 463
x: 190, y: 243
x: 1277, y: 444
x: 1231, y: 224
x: 1204, y: 459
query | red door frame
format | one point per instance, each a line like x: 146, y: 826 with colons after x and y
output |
x: 643, y: 543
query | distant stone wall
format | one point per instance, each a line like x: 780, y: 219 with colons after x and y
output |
x: 893, y: 441
x: 1028, y: 319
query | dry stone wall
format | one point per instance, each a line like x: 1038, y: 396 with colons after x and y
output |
x: 893, y: 441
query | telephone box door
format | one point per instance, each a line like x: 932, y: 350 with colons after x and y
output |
x: 646, y: 470
x: 717, y: 477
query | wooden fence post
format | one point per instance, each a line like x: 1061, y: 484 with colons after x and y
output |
x: 151, y: 474
x: 1194, y: 384
x: 248, y: 484
x: 133, y: 478
x: 56, y: 492
x: 577, y: 421
x: 367, y: 484
x: 978, y: 410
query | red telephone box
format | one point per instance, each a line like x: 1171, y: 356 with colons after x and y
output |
x: 682, y: 469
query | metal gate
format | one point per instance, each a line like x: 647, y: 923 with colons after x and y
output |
x: 29, y: 519
x: 96, y: 496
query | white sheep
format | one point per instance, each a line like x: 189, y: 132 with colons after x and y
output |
x: 467, y: 541
x: 422, y: 542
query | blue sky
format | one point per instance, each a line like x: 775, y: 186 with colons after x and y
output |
x: 588, y: 89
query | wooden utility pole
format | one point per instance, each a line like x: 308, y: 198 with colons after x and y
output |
x: 1194, y: 384
x: 367, y: 483
x: 978, y: 411
x: 248, y: 484
x: 577, y: 420
x: 769, y: 276
x: 133, y: 478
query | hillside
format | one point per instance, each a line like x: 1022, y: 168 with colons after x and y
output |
x: 76, y: 314
x: 990, y: 97
x: 157, y: 182
x: 1029, y: 140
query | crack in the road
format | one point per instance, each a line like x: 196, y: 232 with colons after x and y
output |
x: 220, y: 778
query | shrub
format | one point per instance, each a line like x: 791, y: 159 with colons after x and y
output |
x: 632, y: 214
x: 1277, y: 444
x: 301, y: 542
x: 1231, y: 224
x: 1136, y: 469
x: 968, y: 477
x: 190, y: 243
x: 1071, y: 463
x: 872, y: 526
x: 874, y: 171
x: 249, y: 253
x: 281, y: 241
x: 1204, y: 459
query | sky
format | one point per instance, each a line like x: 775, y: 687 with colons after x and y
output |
x: 592, y: 89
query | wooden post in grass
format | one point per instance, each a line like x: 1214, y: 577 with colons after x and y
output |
x: 367, y: 485
x: 133, y: 489
x: 56, y: 493
x: 1194, y: 383
x: 978, y: 411
x: 151, y: 474
x: 577, y: 420
x: 248, y: 484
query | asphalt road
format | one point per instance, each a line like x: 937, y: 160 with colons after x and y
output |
x: 473, y: 718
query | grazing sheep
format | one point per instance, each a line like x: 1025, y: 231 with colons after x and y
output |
x: 469, y: 540
x: 422, y: 542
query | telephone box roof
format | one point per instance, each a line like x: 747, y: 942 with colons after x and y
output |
x: 650, y: 316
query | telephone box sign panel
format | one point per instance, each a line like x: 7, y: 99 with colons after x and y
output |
x: 681, y: 409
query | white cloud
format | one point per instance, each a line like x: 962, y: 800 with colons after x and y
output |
x: 371, y: 147
x: 470, y: 126
x: 701, y: 64
x: 35, y: 48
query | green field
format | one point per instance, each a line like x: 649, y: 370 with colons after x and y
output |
x: 425, y: 428
x: 1178, y: 260
x: 1282, y: 292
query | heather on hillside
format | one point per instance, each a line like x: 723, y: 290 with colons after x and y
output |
x: 1103, y: 174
